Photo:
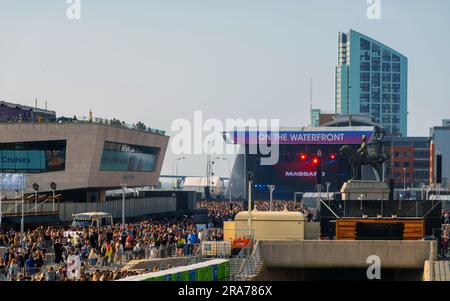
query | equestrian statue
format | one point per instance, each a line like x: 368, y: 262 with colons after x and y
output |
x: 364, y: 156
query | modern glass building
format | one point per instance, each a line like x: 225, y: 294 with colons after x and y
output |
x: 372, y: 78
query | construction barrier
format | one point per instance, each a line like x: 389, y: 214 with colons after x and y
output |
x: 216, y: 248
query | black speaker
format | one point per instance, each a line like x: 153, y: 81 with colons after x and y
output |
x: 391, y: 189
x: 439, y: 169
x: 207, y: 193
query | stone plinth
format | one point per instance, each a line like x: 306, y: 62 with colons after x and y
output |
x: 370, y: 190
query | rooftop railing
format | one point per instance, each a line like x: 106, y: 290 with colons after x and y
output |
x: 139, y: 126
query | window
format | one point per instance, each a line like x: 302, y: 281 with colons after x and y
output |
x: 375, y: 109
x: 395, y: 119
x: 421, y: 154
x: 397, y: 154
x: 386, y: 119
x: 395, y: 58
x: 386, y: 109
x: 365, y: 66
x: 395, y: 67
x: 365, y: 77
x: 386, y: 77
x: 421, y: 144
x: 406, y: 154
x: 386, y: 98
x: 375, y: 97
x: 395, y: 130
x: 396, y: 78
x: 386, y: 56
x: 423, y: 164
x: 386, y: 67
x: 407, y: 164
x: 364, y: 108
x: 396, y: 88
x: 376, y: 64
x: 376, y: 50
x: 364, y: 97
x: 386, y: 88
x: 365, y: 87
x: 126, y: 157
x: 364, y: 44
x: 397, y: 164
x: 395, y: 108
x: 33, y: 157
x: 396, y: 98
x: 365, y: 56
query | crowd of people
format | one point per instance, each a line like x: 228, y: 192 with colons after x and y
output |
x: 444, y: 241
x: 218, y: 212
x: 105, y: 247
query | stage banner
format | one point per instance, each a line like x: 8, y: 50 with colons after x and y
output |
x: 12, y: 181
x: 311, y: 136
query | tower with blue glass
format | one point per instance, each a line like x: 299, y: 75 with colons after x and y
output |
x: 372, y: 78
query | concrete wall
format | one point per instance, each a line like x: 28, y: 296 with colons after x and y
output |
x: 344, y: 254
x: 312, y: 230
x: 133, y: 207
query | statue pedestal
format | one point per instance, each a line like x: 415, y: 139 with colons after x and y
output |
x: 371, y: 190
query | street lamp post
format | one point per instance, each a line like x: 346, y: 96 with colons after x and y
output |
x: 36, y: 189
x: 124, y: 187
x: 53, y: 188
x: 175, y: 171
x: 179, y: 159
x: 404, y: 180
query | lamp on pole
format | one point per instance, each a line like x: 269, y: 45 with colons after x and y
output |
x: 404, y: 180
x: 328, y: 190
x: 175, y: 171
x: 124, y: 187
x: 179, y: 159
x: 36, y: 189
x: 53, y: 188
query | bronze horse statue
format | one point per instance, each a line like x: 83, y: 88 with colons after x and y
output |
x: 357, y: 160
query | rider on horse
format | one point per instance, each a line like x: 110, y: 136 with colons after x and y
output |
x: 363, y: 150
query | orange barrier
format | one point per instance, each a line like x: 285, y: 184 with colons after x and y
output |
x: 240, y: 243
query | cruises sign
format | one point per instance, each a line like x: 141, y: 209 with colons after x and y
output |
x: 307, y: 136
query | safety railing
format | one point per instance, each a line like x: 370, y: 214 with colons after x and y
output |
x: 42, y: 205
x: 113, y: 123
x: 250, y: 264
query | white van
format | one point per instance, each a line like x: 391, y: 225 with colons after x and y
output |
x: 94, y: 219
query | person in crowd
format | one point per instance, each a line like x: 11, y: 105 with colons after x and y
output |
x: 13, y: 270
x: 50, y: 275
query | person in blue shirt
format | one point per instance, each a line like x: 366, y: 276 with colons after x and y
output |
x: 30, y: 265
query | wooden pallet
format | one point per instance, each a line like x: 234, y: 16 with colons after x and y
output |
x: 414, y: 229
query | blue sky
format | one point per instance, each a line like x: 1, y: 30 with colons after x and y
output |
x: 156, y: 61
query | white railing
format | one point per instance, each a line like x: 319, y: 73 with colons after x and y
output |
x: 250, y: 265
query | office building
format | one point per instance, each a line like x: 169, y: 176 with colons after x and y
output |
x: 372, y: 79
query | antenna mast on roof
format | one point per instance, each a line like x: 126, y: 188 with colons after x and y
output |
x: 311, y: 102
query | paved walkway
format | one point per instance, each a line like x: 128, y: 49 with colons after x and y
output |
x: 441, y: 270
